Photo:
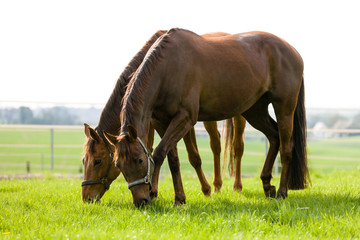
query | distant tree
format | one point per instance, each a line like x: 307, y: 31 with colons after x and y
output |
x: 355, y: 122
x: 56, y: 116
x: 334, y: 118
x: 25, y: 115
x: 329, y: 119
x: 9, y: 116
x: 313, y: 119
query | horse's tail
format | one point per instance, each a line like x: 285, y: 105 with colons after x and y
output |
x: 227, y: 136
x: 298, y: 168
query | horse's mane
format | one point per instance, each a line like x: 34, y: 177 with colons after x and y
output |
x: 140, y: 81
x: 110, y: 115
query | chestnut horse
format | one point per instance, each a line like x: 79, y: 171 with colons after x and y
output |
x: 186, y: 78
x: 99, y: 172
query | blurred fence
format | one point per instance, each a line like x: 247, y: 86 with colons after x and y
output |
x: 39, y: 148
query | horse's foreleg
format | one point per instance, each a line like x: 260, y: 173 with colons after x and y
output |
x: 195, y: 160
x: 238, y: 145
x: 177, y: 129
x: 174, y: 165
x: 211, y: 128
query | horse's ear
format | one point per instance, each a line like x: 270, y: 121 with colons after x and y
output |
x: 91, y: 133
x: 112, y: 139
x: 132, y: 132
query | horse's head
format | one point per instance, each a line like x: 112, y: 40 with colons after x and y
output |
x: 99, y: 169
x: 135, y: 162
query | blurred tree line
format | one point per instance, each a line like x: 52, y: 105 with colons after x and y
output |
x: 61, y: 115
x: 58, y: 115
x: 334, y: 120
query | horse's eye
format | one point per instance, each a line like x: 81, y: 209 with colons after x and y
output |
x: 140, y: 161
x: 97, y: 162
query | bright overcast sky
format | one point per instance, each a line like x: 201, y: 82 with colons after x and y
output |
x: 74, y: 51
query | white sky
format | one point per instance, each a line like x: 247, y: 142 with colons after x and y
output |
x: 74, y: 51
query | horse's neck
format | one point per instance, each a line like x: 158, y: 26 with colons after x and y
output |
x: 137, y: 109
x: 143, y: 90
x: 110, y: 116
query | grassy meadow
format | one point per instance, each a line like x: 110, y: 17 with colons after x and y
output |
x: 51, y: 208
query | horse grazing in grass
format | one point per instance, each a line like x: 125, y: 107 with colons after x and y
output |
x: 99, y: 169
x: 186, y: 78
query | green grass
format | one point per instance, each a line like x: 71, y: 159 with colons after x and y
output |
x: 51, y: 208
x: 336, y: 153
x: 33, y: 145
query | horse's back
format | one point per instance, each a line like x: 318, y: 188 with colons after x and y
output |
x: 220, y: 43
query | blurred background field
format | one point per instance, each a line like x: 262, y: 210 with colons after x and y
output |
x: 34, y: 146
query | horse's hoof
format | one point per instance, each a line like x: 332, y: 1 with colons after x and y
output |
x: 281, y: 195
x: 206, y: 192
x: 237, y: 189
x: 217, y: 189
x: 270, y: 192
x: 179, y: 202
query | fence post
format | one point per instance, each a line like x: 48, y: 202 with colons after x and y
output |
x: 277, y: 165
x: 266, y: 146
x: 28, y: 166
x: 42, y: 162
x: 52, y: 148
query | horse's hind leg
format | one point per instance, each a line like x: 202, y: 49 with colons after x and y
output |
x: 238, y: 145
x: 285, y: 119
x: 211, y: 128
x: 293, y: 158
x: 258, y: 116
x: 195, y: 160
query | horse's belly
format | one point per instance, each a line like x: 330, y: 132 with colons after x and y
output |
x: 225, y: 103
x: 220, y: 110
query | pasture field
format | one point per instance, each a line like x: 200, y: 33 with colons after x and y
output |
x: 51, y: 208
x: 21, y: 145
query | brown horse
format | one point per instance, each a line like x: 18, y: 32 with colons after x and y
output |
x: 99, y: 172
x: 186, y: 78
